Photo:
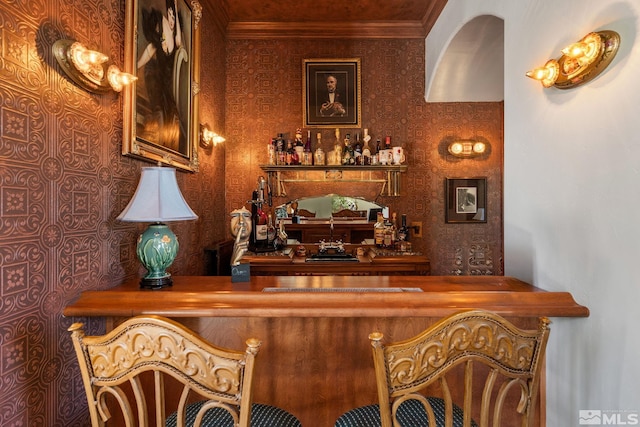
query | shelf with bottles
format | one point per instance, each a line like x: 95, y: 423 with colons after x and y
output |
x: 386, y: 175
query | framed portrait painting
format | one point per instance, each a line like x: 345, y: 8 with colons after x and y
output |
x: 466, y: 200
x: 331, y: 93
x: 162, y: 49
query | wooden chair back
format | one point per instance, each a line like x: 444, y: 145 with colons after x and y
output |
x: 348, y: 213
x: 113, y: 365
x: 305, y: 213
x: 476, y: 349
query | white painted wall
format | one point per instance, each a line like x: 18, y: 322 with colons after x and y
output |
x: 572, y: 193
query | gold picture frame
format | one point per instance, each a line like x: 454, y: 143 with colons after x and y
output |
x: 161, y: 108
x: 343, y: 109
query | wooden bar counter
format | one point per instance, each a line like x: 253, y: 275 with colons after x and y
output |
x: 315, y: 360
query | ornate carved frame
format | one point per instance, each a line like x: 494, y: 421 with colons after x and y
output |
x: 143, y: 133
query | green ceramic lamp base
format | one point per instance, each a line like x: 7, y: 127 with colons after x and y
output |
x: 157, y: 248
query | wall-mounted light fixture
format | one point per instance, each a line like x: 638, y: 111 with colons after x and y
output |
x: 580, y: 62
x: 208, y: 137
x: 89, y: 68
x: 467, y: 148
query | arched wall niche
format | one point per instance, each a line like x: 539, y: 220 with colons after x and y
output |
x: 470, y: 68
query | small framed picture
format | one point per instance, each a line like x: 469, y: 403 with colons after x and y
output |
x: 331, y: 93
x: 466, y: 200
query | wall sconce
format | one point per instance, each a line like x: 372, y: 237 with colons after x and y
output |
x: 467, y: 148
x: 89, y: 68
x: 580, y: 62
x: 208, y: 137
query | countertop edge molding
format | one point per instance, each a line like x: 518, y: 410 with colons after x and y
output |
x: 216, y: 296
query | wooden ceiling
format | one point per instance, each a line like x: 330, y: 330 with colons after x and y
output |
x: 330, y: 19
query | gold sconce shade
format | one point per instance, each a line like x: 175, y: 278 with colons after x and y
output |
x: 89, y: 69
x: 467, y: 148
x: 547, y: 74
x: 580, y: 62
x: 209, y: 137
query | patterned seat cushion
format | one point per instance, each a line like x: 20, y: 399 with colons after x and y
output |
x: 410, y: 414
x: 261, y: 416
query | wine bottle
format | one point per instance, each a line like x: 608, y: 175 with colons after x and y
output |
x: 403, y: 234
x: 357, y: 151
x: 387, y: 143
x: 259, y: 223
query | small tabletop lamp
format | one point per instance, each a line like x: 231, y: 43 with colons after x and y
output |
x: 157, y: 199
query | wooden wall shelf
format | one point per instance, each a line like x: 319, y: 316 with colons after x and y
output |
x: 388, y: 176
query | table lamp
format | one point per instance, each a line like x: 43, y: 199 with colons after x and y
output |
x: 157, y: 200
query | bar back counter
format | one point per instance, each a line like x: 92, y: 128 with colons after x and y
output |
x: 315, y: 360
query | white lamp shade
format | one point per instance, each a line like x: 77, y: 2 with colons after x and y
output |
x: 157, y: 198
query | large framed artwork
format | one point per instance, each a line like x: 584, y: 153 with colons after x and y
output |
x: 331, y: 93
x: 162, y: 49
x: 466, y: 200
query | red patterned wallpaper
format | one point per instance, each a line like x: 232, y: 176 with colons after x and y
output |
x: 264, y: 97
x: 63, y: 181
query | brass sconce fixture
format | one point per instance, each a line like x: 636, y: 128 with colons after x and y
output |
x: 208, y: 137
x: 467, y: 148
x: 89, y: 68
x: 580, y: 62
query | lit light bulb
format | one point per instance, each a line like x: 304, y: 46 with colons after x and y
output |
x: 456, y: 148
x: 479, y: 147
x: 85, y: 59
x: 118, y: 79
x: 547, y: 75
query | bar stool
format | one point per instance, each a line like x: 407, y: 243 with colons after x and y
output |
x: 475, y: 349
x: 145, y: 352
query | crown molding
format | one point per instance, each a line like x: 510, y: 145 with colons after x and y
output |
x: 327, y: 30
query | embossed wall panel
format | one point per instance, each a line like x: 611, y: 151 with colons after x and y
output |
x: 63, y: 181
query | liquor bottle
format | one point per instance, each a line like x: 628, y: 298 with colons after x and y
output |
x: 280, y: 150
x: 271, y: 152
x: 394, y: 229
x: 366, y: 151
x: 319, y: 156
x: 347, y: 157
x: 403, y: 234
x: 388, y: 234
x: 308, y: 155
x: 271, y: 231
x: 378, y: 231
x: 289, y: 153
x: 280, y: 241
